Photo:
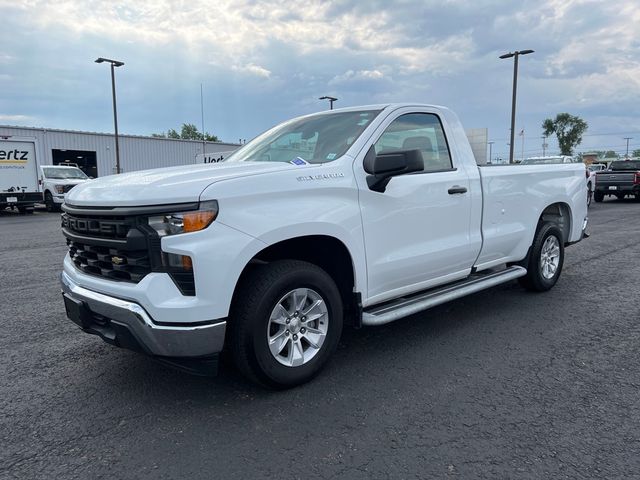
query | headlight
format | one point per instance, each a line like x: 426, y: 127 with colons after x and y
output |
x: 184, y: 222
x: 59, y: 188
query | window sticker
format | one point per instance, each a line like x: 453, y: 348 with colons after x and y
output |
x: 299, y: 161
x: 331, y: 156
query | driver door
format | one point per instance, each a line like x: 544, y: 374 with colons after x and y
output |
x: 416, y: 232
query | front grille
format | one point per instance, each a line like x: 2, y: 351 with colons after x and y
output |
x: 120, y: 247
x: 109, y: 227
x: 113, y: 263
x: 66, y: 188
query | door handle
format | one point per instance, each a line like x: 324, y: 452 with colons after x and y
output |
x: 457, y: 189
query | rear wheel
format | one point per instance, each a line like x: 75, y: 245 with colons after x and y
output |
x: 546, y: 259
x: 286, y: 322
x: 598, y: 196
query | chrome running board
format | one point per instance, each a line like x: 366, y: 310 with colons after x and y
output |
x: 408, y: 305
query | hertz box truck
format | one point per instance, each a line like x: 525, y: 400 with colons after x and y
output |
x: 18, y: 174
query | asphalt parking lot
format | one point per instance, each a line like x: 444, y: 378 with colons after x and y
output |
x: 502, y: 384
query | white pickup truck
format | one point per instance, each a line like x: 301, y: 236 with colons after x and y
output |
x: 56, y: 181
x: 356, y: 216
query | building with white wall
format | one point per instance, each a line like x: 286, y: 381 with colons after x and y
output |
x: 95, y: 152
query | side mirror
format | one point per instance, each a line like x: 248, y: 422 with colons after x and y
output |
x: 382, y: 167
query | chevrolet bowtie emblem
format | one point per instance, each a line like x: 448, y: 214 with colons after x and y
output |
x: 117, y: 260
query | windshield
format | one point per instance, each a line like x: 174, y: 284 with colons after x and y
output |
x: 64, y: 173
x: 625, y: 165
x: 314, y: 139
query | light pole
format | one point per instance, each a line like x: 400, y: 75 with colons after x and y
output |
x: 490, y: 149
x: 627, y: 139
x: 515, y: 56
x: 114, y: 63
x: 331, y: 100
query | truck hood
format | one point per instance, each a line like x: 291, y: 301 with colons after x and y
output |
x: 164, y: 185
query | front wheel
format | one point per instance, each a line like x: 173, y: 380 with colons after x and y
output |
x: 285, y: 323
x: 545, y: 260
x: 49, y: 203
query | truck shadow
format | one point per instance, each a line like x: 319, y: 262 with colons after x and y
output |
x: 372, y: 349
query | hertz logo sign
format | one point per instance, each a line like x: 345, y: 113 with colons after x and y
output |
x: 14, y: 156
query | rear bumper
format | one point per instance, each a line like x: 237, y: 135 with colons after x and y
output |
x: 27, y: 198
x: 625, y: 189
x: 126, y: 324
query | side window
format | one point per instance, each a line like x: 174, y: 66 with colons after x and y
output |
x: 421, y: 131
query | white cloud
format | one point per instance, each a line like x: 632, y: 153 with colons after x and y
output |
x: 351, y: 75
x: 252, y: 69
x: 15, y: 118
x: 587, y: 55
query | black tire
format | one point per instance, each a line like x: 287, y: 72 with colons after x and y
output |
x: 258, y: 293
x: 49, y: 203
x: 589, y: 196
x: 535, y: 280
x: 598, y: 196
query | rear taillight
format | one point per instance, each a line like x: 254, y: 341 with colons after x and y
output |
x: 636, y: 178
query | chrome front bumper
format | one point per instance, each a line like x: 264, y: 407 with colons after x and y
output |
x: 127, y: 324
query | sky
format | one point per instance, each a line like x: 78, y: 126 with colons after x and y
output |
x: 262, y: 62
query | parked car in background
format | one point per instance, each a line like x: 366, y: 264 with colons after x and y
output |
x: 56, y: 181
x: 596, y: 167
x: 621, y: 179
x: 591, y: 184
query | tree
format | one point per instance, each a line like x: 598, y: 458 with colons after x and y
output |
x: 188, y: 131
x: 610, y: 154
x: 636, y: 153
x: 568, y: 128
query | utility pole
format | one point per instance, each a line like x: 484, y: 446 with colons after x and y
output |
x: 515, y: 56
x: 114, y: 63
x: 202, y: 117
x: 627, y: 139
x: 490, y: 149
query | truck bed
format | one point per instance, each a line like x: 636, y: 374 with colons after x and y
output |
x: 514, y: 196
